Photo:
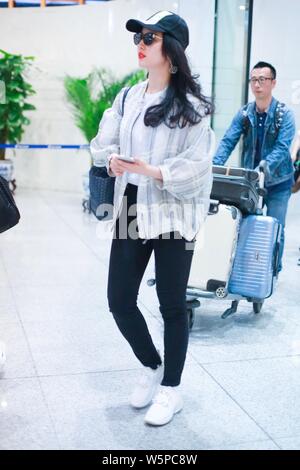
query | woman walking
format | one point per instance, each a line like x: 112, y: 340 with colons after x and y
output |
x: 160, y: 202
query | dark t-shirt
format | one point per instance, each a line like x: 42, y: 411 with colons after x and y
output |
x: 261, y: 119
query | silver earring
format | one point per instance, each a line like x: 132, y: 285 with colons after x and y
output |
x: 173, y: 69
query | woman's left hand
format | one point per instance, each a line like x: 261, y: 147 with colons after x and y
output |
x: 141, y: 168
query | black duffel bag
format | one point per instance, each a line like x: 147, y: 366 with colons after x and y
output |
x: 9, y: 214
x: 102, y: 186
x: 236, y: 187
x: 101, y: 193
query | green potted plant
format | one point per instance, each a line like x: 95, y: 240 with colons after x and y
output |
x: 13, y: 105
x: 91, y: 96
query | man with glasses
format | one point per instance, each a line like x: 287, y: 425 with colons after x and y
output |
x: 268, y: 129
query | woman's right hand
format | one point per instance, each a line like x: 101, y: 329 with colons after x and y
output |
x: 115, y: 165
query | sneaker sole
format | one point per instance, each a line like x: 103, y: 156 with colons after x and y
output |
x: 140, y: 407
x: 150, y: 423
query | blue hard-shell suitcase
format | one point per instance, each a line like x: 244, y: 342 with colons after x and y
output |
x: 256, y: 259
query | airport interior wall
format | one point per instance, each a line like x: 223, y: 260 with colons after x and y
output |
x: 74, y: 40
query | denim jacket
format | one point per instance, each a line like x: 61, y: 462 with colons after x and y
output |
x: 276, y: 143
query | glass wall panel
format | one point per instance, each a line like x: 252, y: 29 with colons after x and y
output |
x: 232, y: 39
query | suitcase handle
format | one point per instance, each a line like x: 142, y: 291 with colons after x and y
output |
x: 251, y: 175
x: 262, y: 168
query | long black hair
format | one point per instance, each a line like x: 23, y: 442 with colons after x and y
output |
x: 175, y: 109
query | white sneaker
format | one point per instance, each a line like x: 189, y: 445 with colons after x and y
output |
x: 147, y: 386
x: 166, y: 403
x: 2, y: 356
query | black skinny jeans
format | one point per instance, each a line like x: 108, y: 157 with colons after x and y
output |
x: 128, y: 261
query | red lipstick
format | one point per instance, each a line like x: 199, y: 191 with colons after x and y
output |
x: 141, y: 55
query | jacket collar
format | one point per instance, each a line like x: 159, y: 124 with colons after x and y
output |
x: 270, y: 112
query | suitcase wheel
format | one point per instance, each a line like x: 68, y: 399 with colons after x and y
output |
x: 221, y: 293
x: 257, y: 306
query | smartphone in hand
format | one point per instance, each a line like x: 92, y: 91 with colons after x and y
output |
x: 126, y: 159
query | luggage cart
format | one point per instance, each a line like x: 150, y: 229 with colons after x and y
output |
x: 222, y: 292
x: 193, y: 295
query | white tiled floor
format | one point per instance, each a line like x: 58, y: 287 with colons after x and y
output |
x: 69, y: 371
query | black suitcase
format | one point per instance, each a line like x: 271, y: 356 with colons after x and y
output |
x: 236, y: 187
x: 9, y: 214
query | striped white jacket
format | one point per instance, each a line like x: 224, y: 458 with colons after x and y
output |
x: 178, y: 203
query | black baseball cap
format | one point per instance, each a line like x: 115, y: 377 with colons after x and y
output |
x: 164, y: 22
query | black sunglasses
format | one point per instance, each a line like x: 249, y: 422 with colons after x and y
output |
x: 148, y: 38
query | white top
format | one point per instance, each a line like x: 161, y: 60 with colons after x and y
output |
x: 178, y: 203
x: 139, y: 133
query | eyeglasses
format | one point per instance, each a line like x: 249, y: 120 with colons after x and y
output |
x: 148, y: 38
x: 260, y: 80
